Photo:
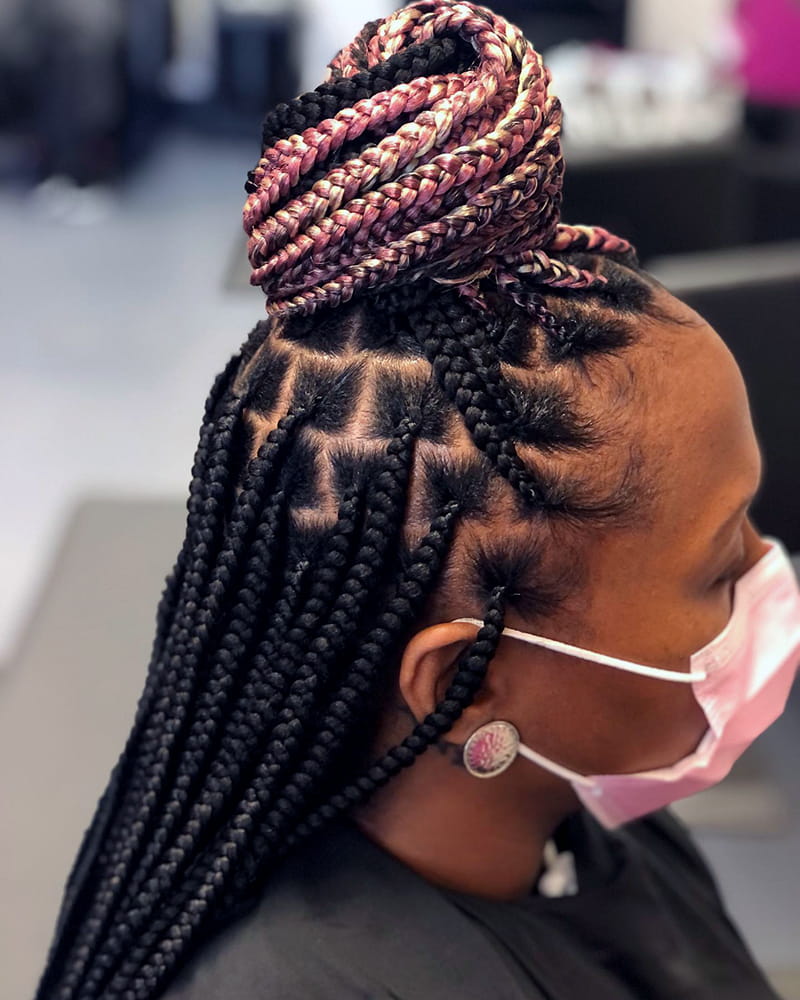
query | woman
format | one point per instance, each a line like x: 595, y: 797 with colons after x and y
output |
x: 466, y: 434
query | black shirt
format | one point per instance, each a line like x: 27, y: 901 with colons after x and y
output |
x: 343, y: 919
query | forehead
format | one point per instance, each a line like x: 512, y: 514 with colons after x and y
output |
x: 700, y: 453
x: 696, y: 423
x: 688, y: 420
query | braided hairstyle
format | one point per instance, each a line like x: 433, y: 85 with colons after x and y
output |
x: 422, y: 365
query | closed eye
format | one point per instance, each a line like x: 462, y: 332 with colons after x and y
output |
x: 731, y: 574
x: 728, y: 580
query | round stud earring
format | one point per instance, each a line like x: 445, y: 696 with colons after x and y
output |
x: 491, y: 749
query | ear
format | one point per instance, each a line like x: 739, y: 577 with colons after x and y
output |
x: 428, y: 666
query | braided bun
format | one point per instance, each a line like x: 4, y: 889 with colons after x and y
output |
x: 432, y: 150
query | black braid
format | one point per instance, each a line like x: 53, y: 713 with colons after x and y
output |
x: 247, y: 869
x: 459, y: 695
x: 227, y: 750
x: 437, y: 55
x: 351, y: 699
x: 310, y: 676
x: 361, y: 687
x: 175, y: 582
x: 147, y: 783
x: 454, y: 338
x: 460, y: 342
x: 284, y: 807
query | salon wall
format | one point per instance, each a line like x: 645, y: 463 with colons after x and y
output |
x: 677, y: 25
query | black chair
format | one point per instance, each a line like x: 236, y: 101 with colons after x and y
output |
x: 676, y: 200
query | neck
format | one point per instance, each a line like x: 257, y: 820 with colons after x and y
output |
x: 485, y: 837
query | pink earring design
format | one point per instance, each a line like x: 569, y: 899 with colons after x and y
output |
x: 491, y: 749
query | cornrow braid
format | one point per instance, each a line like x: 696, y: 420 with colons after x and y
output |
x: 453, y: 339
x: 460, y: 342
x: 426, y: 306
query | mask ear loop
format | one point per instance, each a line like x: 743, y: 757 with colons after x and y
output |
x: 611, y: 661
x: 493, y: 747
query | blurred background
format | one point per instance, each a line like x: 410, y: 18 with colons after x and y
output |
x: 127, y: 128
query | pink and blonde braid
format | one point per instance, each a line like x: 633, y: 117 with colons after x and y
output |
x: 470, y: 181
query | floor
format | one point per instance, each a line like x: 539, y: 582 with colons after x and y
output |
x: 115, y: 333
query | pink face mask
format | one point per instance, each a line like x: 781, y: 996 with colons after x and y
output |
x: 741, y: 680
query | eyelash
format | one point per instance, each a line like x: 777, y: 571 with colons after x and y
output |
x: 731, y: 574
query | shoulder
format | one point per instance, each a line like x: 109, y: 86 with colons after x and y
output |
x: 677, y: 863
x: 233, y: 966
x: 341, y: 919
x: 299, y: 941
x: 666, y: 837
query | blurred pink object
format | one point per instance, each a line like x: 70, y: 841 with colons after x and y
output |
x: 770, y: 35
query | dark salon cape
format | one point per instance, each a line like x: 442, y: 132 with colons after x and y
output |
x: 343, y: 919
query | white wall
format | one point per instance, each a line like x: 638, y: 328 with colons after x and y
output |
x: 673, y: 25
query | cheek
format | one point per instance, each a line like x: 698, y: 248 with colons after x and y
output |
x: 597, y: 720
x: 667, y: 725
